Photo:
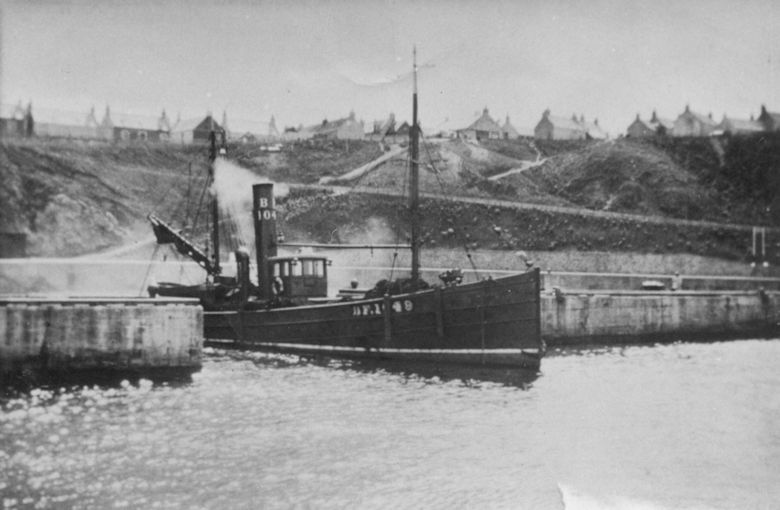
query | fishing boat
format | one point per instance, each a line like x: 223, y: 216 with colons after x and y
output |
x: 494, y: 322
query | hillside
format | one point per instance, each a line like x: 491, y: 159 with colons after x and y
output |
x: 72, y: 198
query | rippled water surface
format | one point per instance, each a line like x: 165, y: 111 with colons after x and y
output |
x: 674, y: 426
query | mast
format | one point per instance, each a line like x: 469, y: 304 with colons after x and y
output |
x: 214, y: 204
x: 414, y: 191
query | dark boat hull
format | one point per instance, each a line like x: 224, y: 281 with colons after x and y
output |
x: 495, y: 322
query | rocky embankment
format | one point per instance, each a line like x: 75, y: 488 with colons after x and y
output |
x: 72, y: 198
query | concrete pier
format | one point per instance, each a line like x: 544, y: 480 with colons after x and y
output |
x: 46, y: 339
x: 574, y: 317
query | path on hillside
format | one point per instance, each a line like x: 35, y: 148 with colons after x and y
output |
x: 527, y: 165
x: 360, y: 171
x: 538, y: 207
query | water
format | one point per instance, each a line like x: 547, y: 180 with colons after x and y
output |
x: 682, y: 426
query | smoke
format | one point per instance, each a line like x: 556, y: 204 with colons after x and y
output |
x: 375, y: 231
x: 233, y: 189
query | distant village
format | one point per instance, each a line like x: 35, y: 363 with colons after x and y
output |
x: 20, y: 121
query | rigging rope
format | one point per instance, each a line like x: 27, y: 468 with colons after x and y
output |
x: 174, y: 214
x: 200, y: 207
x: 444, y: 193
x: 397, y: 232
x: 357, y: 182
x: 148, y: 270
x: 189, y: 190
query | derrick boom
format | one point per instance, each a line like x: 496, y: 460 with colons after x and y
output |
x: 166, y: 235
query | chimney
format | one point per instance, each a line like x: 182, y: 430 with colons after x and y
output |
x: 654, y: 118
x: 162, y: 123
x: 90, y: 117
x: 264, y: 213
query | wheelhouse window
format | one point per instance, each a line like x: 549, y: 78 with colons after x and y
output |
x: 282, y: 268
x: 313, y: 267
x: 300, y: 267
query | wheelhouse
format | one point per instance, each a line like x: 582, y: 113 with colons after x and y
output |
x: 300, y: 276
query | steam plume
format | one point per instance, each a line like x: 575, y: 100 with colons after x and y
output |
x: 233, y: 189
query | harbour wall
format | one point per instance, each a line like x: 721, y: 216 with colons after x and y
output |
x: 606, y: 317
x: 58, y: 339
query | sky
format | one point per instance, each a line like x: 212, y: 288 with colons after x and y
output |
x: 304, y: 61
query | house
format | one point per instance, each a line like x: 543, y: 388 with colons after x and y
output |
x: 16, y: 121
x: 195, y: 130
x: 402, y: 132
x: 661, y: 125
x: 481, y: 129
x: 690, y: 123
x: 386, y: 131
x: 342, y: 129
x: 739, y: 126
x: 640, y: 128
x: 382, y: 129
x: 54, y: 123
x: 653, y: 127
x: 127, y: 127
x: 592, y: 129
x: 508, y: 131
x: 552, y: 127
x: 347, y: 128
x: 292, y: 133
x: 246, y: 131
x: 770, y: 120
x: 131, y: 127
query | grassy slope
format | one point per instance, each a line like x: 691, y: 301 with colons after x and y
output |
x: 627, y: 177
x: 307, y: 162
x: 74, y: 198
x: 314, y: 216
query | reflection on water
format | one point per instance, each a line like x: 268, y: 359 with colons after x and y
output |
x: 469, y: 376
x: 675, y: 426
